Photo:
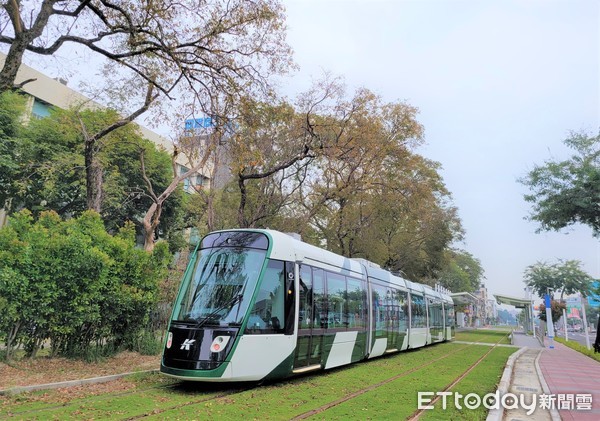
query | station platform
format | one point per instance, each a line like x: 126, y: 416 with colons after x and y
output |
x: 567, y: 381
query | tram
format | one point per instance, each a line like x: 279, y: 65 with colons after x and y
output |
x: 258, y: 304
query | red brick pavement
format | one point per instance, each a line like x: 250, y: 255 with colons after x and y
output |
x: 567, y: 371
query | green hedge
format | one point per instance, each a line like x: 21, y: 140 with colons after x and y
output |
x: 73, y: 286
x: 578, y: 347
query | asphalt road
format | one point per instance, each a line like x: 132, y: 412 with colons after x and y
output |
x: 579, y: 337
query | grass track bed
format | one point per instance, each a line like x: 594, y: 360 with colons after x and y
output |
x: 484, y: 336
x: 398, y: 399
x: 158, y: 398
x: 477, y: 381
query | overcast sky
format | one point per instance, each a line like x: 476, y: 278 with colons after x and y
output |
x: 499, y: 86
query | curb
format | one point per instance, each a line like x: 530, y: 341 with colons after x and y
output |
x: 553, y: 411
x: 497, y: 414
x: 70, y: 383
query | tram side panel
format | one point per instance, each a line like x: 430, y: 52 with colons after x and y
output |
x: 436, y: 320
x: 268, y: 341
x: 449, y: 320
x: 389, y: 323
x: 418, y: 321
x: 332, y: 319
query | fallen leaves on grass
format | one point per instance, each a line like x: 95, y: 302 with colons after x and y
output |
x: 43, y: 370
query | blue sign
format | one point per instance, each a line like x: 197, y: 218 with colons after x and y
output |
x: 593, y: 298
x: 549, y: 323
x: 199, y: 123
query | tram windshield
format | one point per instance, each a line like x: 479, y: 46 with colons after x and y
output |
x: 221, y: 287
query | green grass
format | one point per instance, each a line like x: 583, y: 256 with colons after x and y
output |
x: 282, y: 400
x: 398, y: 399
x: 484, y: 336
x: 482, y: 380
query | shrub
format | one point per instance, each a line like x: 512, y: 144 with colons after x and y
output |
x: 580, y: 348
x: 75, y: 285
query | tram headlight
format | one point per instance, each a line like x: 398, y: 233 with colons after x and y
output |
x: 219, y: 343
x: 169, y: 340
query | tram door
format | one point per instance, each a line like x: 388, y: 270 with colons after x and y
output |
x: 310, y: 329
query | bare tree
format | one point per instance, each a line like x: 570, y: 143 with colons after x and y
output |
x: 199, y: 152
x: 275, y: 146
x: 209, y: 44
x: 159, y: 50
x: 272, y: 137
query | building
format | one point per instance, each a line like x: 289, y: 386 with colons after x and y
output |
x: 45, y: 92
x: 487, y: 310
x: 475, y: 309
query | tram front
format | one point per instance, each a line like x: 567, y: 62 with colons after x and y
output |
x: 212, y: 303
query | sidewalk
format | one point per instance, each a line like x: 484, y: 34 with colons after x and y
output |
x: 521, y: 340
x: 563, y: 377
x: 569, y: 372
x: 525, y: 380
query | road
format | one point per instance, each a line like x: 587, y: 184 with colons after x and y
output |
x: 579, y: 337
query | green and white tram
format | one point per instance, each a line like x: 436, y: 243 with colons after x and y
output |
x: 260, y: 304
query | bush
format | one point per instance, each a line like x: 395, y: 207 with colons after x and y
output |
x: 74, y: 285
x: 580, y: 348
x: 148, y: 344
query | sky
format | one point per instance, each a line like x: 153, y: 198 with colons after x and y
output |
x: 499, y: 86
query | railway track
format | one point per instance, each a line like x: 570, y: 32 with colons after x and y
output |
x: 416, y: 414
x: 108, y: 396
x: 232, y: 392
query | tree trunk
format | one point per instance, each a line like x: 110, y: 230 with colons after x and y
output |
x: 148, y: 238
x: 11, y: 65
x: 10, y: 339
x: 210, y: 211
x: 150, y: 223
x: 93, y: 178
x: 241, y: 209
x: 23, y: 37
x: 339, y: 234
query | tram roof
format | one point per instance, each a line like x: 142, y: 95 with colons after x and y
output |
x: 384, y: 275
x: 286, y: 247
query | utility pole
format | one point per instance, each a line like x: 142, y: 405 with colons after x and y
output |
x: 585, y: 325
x: 549, y: 323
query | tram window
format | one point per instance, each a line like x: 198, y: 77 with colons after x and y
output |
x: 357, y: 297
x: 305, y: 314
x: 379, y: 309
x: 418, y: 316
x: 268, y: 313
x: 449, y: 310
x: 336, y: 300
x: 431, y: 308
x: 320, y: 315
x: 402, y: 298
x: 435, y: 314
x: 236, y: 239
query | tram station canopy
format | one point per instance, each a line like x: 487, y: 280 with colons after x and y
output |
x: 463, y: 298
x: 513, y: 301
